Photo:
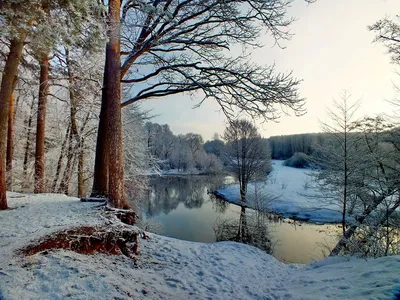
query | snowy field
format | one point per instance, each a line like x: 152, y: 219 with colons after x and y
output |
x: 288, y: 191
x: 168, y: 268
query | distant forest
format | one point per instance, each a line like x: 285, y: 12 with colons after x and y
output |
x: 285, y: 146
x: 185, y: 152
x: 189, y: 151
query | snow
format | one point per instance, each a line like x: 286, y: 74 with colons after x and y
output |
x: 168, y: 268
x: 288, y: 192
x: 31, y: 216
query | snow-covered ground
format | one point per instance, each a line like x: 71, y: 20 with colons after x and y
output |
x: 168, y: 268
x: 288, y: 191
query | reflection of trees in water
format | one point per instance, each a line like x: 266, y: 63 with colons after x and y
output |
x: 165, y: 193
x: 251, y: 228
x: 219, y: 205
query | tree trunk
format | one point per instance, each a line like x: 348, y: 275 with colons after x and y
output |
x: 116, y: 191
x: 10, y: 140
x: 64, y: 184
x: 60, y: 159
x: 353, y: 228
x: 346, y: 178
x: 81, y: 180
x: 243, y: 191
x: 73, y: 100
x: 25, y: 184
x: 39, y: 186
x: 100, y: 180
x: 6, y: 89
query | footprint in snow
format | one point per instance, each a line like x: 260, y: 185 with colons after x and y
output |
x: 175, y: 283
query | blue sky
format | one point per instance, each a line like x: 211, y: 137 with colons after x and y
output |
x: 331, y: 50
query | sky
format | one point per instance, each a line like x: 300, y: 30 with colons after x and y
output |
x: 331, y: 51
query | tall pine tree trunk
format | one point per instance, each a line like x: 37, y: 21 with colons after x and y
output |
x: 116, y: 191
x: 6, y: 89
x: 10, y: 140
x: 41, y: 125
x: 100, y: 180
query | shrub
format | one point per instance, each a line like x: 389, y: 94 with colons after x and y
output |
x: 298, y: 160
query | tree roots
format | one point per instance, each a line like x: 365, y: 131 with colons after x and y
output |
x: 112, y: 238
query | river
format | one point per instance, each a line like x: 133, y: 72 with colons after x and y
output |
x: 184, y: 209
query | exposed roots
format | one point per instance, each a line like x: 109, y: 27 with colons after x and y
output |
x: 126, y: 216
x: 112, y: 238
x: 89, y: 240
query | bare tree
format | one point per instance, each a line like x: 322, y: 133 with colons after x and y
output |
x: 377, y: 187
x: 388, y: 33
x: 248, y: 155
x: 179, y: 46
x: 195, y: 143
x: 182, y: 44
x: 338, y: 160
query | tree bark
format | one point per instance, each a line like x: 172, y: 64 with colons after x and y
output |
x: 100, y: 180
x: 39, y: 186
x: 10, y: 140
x: 116, y: 191
x: 243, y: 191
x: 6, y: 89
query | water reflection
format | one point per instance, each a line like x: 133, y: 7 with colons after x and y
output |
x: 250, y: 227
x: 219, y: 205
x: 187, y: 211
x: 165, y: 194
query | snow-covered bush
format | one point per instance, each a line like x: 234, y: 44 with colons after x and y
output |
x: 212, y: 164
x: 298, y: 160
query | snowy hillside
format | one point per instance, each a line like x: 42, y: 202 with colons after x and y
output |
x: 168, y: 268
x: 288, y: 191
